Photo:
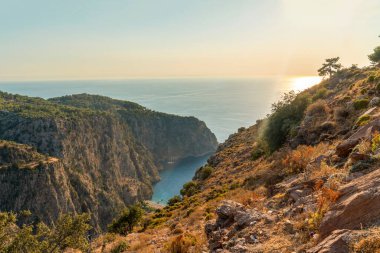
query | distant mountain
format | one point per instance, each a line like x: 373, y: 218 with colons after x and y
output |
x: 86, y: 153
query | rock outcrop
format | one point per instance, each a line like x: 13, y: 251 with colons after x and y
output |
x: 225, y: 232
x: 337, y: 242
x: 358, y: 207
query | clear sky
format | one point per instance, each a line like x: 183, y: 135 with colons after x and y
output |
x: 101, y: 39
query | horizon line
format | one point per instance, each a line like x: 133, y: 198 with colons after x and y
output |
x: 150, y: 78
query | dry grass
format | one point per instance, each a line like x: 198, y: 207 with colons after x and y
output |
x: 320, y: 107
x: 325, y: 171
x: 368, y: 244
x: 297, y: 160
x: 184, y: 243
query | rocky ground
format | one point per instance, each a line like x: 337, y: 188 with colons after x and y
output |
x: 318, y: 193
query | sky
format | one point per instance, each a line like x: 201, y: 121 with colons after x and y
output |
x: 116, y: 39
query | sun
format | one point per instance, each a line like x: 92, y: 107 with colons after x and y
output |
x: 304, y: 82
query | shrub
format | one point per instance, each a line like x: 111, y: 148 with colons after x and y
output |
x: 286, y: 115
x: 297, y: 160
x: 320, y: 93
x: 318, y: 108
x: 362, y: 120
x: 375, y: 56
x: 181, y: 243
x: 119, y: 248
x: 375, y: 142
x: 371, y: 78
x: 361, y: 104
x: 203, y: 172
x: 127, y: 219
x: 257, y: 153
x: 251, y: 181
x: 369, y: 244
x: 174, y: 200
x: 341, y: 113
x: 189, y: 189
x: 70, y: 231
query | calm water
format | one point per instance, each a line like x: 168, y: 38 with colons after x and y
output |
x: 172, y: 179
x: 224, y: 104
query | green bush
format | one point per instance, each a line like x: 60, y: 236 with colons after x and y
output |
x: 70, y: 231
x: 257, y: 153
x: 189, y: 189
x: 375, y: 56
x: 361, y: 103
x: 362, y: 120
x: 174, y: 200
x: 371, y: 78
x: 127, y: 219
x: 320, y: 93
x: 286, y: 115
x: 203, y: 172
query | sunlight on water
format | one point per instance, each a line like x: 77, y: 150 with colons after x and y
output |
x: 304, y: 82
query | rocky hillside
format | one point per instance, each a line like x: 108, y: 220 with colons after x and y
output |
x: 168, y: 137
x: 84, y: 158
x: 305, y: 179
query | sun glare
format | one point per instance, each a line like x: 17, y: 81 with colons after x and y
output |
x: 304, y: 82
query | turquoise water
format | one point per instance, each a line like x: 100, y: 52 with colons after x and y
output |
x: 224, y: 104
x: 172, y: 179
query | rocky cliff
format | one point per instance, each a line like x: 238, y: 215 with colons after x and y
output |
x: 169, y: 138
x: 98, y: 163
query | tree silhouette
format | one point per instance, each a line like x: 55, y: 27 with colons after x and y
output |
x: 330, y: 67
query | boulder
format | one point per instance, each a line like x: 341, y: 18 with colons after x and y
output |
x: 245, y: 218
x: 374, y: 102
x: 224, y: 232
x: 345, y: 147
x: 337, y: 242
x: 355, y: 157
x: 364, y: 132
x: 358, y: 206
x: 228, y: 209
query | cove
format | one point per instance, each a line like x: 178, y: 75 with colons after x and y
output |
x: 173, y: 178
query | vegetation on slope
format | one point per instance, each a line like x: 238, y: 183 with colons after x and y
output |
x: 69, y: 232
x: 288, y: 170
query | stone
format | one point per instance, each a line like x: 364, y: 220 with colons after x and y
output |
x: 337, y: 242
x: 345, y: 147
x: 358, y: 206
x: 227, y: 209
x: 364, y: 132
x: 374, y: 102
x: 245, y: 218
x: 210, y: 226
x: 355, y: 156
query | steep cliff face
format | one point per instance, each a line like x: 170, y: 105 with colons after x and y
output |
x: 99, y: 165
x: 167, y: 137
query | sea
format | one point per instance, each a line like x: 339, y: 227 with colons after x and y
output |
x: 224, y: 104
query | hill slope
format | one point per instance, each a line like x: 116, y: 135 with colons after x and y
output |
x: 317, y: 192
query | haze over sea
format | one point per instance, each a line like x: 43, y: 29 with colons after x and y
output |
x: 224, y: 104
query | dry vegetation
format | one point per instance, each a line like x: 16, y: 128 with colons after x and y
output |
x: 245, y: 170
